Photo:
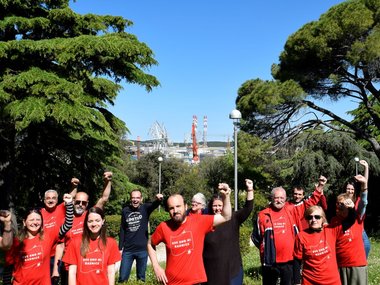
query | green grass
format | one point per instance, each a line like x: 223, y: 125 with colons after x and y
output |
x: 251, y: 262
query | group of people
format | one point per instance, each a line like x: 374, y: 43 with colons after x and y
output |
x: 34, y: 255
x: 298, y: 246
x: 296, y: 243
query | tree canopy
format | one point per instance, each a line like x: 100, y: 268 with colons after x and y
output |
x: 334, y: 58
x: 59, y: 70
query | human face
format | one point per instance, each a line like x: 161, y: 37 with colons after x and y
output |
x: 177, y: 209
x: 196, y: 206
x: 297, y: 195
x: 136, y: 199
x: 350, y: 190
x: 217, y: 206
x: 94, y: 223
x: 80, y: 203
x: 33, y: 223
x: 51, y: 200
x: 340, y: 209
x: 315, y: 220
x: 278, y: 199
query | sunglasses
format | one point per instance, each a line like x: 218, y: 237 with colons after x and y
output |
x: 310, y: 217
x: 78, y: 202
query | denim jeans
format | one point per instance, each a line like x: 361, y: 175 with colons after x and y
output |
x: 127, y: 259
x: 367, y: 244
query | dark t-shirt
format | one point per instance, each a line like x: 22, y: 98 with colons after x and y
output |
x: 134, y: 227
x: 221, y: 253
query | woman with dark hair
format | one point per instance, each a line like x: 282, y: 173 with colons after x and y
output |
x: 30, y: 252
x: 351, y: 190
x: 225, y: 267
x: 92, y: 259
x: 350, y: 252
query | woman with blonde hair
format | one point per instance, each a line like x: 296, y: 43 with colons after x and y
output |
x: 315, y: 246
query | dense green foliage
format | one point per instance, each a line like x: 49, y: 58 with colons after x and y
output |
x: 58, y: 72
x: 330, y: 60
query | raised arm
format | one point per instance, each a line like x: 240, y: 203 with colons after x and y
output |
x: 250, y: 190
x: 363, y: 195
x: 242, y: 214
x: 107, y: 177
x: 366, y: 168
x: 225, y: 192
x: 69, y: 215
x: 7, y: 239
x: 74, y: 186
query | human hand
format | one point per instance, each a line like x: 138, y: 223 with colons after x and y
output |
x: 159, y: 197
x: 224, y: 189
x: 75, y: 182
x: 5, y: 216
x: 160, y: 274
x: 107, y: 176
x: 322, y: 181
x: 348, y: 203
x: 249, y: 184
x: 67, y: 198
x: 364, y: 163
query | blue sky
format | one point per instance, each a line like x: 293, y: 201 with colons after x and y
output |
x: 206, y: 49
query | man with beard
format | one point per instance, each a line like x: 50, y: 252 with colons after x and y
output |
x: 184, y: 238
x: 134, y: 235
x: 81, y: 200
x: 275, y: 232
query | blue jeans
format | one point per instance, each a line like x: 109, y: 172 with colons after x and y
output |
x: 238, y: 279
x: 127, y: 259
x: 367, y: 244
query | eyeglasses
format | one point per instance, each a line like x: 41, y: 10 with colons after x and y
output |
x: 195, y: 203
x: 78, y: 202
x: 310, y: 217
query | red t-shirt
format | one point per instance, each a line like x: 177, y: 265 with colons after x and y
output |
x: 32, y: 260
x: 282, y: 232
x: 53, y: 220
x: 350, y: 250
x: 317, y: 251
x: 92, y: 269
x: 75, y: 232
x: 184, y: 248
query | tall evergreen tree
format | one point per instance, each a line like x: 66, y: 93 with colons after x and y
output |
x: 58, y: 72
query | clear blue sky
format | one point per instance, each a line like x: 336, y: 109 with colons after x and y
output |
x: 206, y: 49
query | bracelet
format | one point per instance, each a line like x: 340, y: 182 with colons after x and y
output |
x: 250, y: 190
x: 7, y: 231
x: 365, y: 189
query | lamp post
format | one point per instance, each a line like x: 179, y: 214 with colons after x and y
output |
x: 235, y: 115
x: 356, y: 165
x: 160, y: 159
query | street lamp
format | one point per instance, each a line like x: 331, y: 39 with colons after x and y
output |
x: 356, y: 165
x: 160, y: 159
x: 235, y: 115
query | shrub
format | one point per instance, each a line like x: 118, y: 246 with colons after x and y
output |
x: 113, y: 225
x: 157, y: 217
x: 245, y: 235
